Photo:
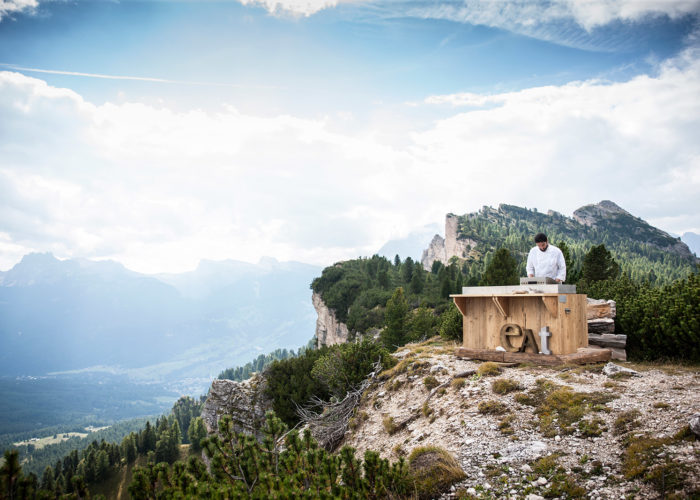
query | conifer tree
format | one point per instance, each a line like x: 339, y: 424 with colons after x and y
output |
x: 417, y: 279
x: 407, y: 270
x: 10, y: 474
x: 502, y: 270
x: 396, y: 316
x: 196, y: 433
x: 48, y: 482
x: 599, y: 265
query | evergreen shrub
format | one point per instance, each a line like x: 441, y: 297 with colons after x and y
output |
x: 293, y: 467
x: 660, y: 323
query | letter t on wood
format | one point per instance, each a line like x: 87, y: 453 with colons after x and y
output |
x: 544, y: 335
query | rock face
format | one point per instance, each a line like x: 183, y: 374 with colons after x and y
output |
x: 245, y: 401
x: 443, y: 249
x: 329, y: 331
x: 589, y: 215
x: 435, y: 251
x: 455, y: 247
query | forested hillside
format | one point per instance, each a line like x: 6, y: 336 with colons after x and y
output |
x: 643, y: 251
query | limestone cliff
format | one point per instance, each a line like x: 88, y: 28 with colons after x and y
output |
x: 435, y: 251
x: 329, y: 331
x: 443, y: 249
x: 245, y: 401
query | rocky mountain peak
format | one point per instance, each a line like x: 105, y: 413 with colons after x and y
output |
x: 589, y: 215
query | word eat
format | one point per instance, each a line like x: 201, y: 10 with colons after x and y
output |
x: 512, y: 330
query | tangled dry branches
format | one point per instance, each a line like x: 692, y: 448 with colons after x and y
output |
x: 329, y: 426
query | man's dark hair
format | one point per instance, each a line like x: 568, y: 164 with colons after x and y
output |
x: 540, y: 238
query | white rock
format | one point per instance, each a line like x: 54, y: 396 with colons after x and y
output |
x: 557, y: 438
x: 611, y: 369
x: 694, y: 424
x: 541, y: 481
x: 381, y: 394
x: 526, y: 468
x: 532, y: 496
x: 487, y: 486
x: 537, y: 447
x: 437, y: 368
x: 471, y: 491
x: 500, y: 349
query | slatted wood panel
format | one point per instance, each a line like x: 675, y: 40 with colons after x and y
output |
x: 484, y: 315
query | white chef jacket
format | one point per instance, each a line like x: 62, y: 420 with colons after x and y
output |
x: 549, y: 263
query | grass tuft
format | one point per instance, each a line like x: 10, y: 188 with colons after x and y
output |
x: 430, y: 382
x: 504, y: 386
x: 492, y: 407
x: 434, y: 470
x: 488, y: 369
x: 389, y: 425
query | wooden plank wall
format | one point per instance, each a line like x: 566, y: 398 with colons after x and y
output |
x: 484, y: 317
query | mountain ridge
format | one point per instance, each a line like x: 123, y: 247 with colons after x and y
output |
x: 643, y: 250
x: 65, y: 315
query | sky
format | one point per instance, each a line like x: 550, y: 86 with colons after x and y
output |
x: 161, y: 132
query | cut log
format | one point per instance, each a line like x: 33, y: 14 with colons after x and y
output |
x: 581, y: 356
x: 600, y: 326
x: 600, y: 308
x: 619, y: 354
x: 587, y: 355
x: 615, y: 353
x: 607, y: 340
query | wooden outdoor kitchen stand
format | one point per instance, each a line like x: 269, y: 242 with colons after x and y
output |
x: 496, y: 320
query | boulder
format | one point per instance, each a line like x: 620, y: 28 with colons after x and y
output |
x: 245, y: 401
x: 694, y: 424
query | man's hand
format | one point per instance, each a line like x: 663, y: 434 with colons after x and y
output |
x: 530, y: 275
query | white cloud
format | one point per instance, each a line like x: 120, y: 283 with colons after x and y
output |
x: 588, y: 14
x: 567, y: 22
x: 9, y: 7
x: 294, y: 7
x: 634, y: 142
x: 159, y: 189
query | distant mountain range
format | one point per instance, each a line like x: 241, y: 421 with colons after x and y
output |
x: 72, y: 315
x: 693, y: 242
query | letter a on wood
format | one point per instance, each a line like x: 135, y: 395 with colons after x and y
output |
x: 529, y: 341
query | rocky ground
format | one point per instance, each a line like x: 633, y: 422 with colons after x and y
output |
x: 555, y: 432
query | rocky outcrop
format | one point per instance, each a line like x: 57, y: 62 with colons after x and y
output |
x: 443, y: 249
x: 246, y: 403
x: 329, y: 331
x: 607, y: 213
x: 435, y: 251
x: 589, y: 215
x: 455, y: 246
